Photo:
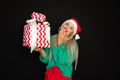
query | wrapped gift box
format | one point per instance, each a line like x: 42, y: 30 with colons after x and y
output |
x: 38, y: 16
x: 36, y: 34
x: 43, y: 36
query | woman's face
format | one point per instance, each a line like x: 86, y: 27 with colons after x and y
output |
x: 67, y: 28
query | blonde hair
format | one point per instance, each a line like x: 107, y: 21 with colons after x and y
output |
x: 72, y: 48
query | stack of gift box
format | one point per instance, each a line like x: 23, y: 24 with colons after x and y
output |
x: 36, y: 32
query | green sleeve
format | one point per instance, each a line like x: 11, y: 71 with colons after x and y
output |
x: 60, y: 54
x: 47, y: 51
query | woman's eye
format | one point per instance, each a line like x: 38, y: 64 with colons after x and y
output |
x: 67, y: 24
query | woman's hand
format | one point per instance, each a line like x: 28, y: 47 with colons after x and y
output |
x: 37, y: 49
x: 62, y: 37
x: 41, y: 51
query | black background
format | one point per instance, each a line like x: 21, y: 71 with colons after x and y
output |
x: 98, y: 56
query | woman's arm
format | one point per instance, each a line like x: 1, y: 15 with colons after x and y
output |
x: 41, y: 52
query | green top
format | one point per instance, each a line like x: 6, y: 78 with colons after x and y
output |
x: 59, y: 59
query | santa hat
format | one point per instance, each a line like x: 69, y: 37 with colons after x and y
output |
x: 76, y: 25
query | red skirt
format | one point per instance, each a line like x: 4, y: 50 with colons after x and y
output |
x: 55, y: 74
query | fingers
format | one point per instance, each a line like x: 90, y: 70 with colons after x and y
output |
x: 62, y: 35
x: 62, y: 32
x: 37, y: 49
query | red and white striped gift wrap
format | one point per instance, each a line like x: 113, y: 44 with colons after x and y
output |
x: 38, y: 16
x: 42, y: 34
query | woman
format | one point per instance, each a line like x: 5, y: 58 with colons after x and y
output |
x: 63, y: 51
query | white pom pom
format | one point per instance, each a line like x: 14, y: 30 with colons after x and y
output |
x: 77, y: 37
